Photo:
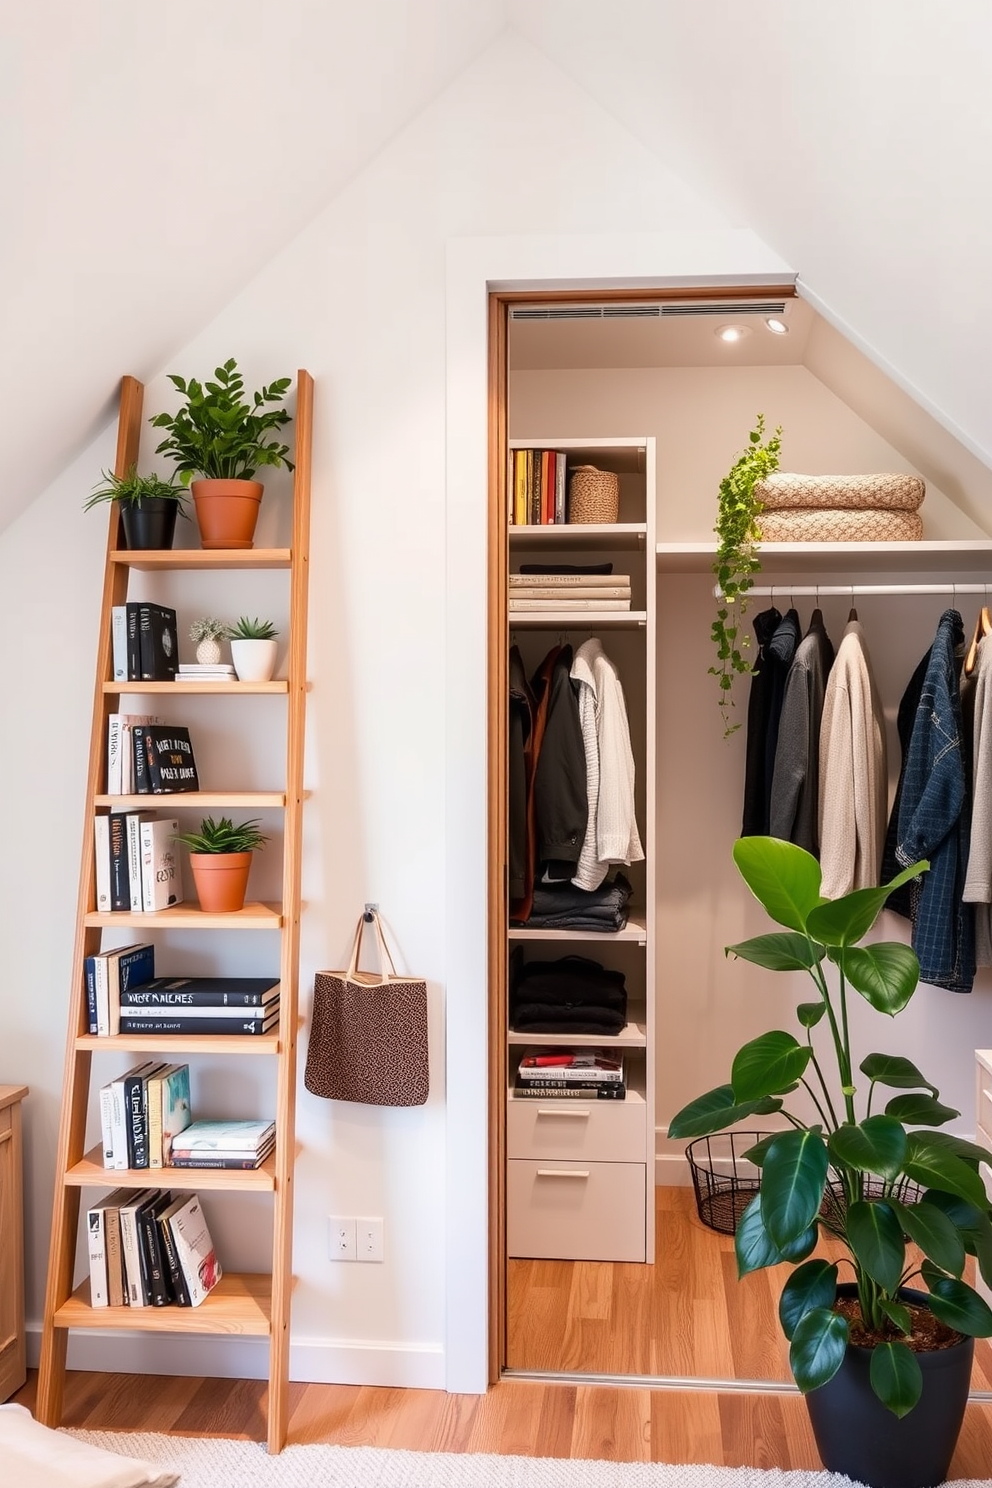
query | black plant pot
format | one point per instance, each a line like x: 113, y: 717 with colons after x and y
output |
x: 855, y: 1434
x: 150, y: 522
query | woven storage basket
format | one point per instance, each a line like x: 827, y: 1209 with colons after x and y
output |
x: 593, y: 495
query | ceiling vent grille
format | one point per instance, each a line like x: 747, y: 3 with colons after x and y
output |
x: 621, y: 310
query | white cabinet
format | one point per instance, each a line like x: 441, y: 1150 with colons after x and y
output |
x: 580, y: 1174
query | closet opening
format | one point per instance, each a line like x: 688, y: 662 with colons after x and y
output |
x: 641, y: 385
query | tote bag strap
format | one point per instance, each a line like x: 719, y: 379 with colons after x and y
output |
x: 385, y: 959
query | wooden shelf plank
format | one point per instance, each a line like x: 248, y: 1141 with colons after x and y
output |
x: 958, y: 556
x: 193, y: 558
x: 90, y: 1173
x: 240, y: 1303
x: 196, y: 799
x: 277, y: 688
x: 189, y: 917
x: 184, y: 1043
x: 607, y: 535
x: 634, y: 930
x: 632, y: 1037
x: 579, y: 619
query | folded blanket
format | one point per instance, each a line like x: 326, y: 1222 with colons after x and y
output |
x: 33, y: 1456
x: 539, y: 1017
x: 865, y: 492
x: 827, y: 524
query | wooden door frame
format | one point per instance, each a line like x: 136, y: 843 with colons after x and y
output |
x: 497, y: 706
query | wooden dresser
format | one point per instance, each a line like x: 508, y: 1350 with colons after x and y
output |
x: 13, y: 1369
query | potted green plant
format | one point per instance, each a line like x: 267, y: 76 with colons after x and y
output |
x: 148, y: 506
x: 887, y: 1409
x: 220, y: 858
x: 206, y: 633
x: 253, y: 649
x: 220, y: 435
x: 736, y: 560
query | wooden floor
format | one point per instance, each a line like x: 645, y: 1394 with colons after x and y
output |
x: 721, y: 1329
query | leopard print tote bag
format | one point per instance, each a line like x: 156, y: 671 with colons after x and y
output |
x: 368, y: 1032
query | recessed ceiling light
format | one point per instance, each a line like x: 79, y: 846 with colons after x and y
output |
x: 778, y: 327
x: 733, y: 333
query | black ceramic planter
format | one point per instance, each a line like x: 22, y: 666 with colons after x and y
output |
x: 855, y: 1434
x: 150, y: 522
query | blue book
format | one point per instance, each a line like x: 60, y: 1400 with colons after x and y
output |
x: 89, y: 972
x: 127, y: 968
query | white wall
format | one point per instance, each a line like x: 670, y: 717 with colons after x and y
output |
x: 360, y: 300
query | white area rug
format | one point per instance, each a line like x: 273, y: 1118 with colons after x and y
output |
x: 211, y: 1463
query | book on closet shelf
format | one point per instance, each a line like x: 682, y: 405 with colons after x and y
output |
x: 556, y: 606
x: 575, y: 577
x: 547, y: 488
x: 539, y: 590
x: 204, y: 992
x: 519, y: 509
x: 560, y: 463
x: 568, y: 1090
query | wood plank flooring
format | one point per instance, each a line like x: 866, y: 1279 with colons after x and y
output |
x: 722, y: 1329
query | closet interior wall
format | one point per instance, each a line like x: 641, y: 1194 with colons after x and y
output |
x: 700, y: 416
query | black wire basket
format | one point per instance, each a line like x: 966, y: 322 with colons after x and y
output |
x: 724, y: 1181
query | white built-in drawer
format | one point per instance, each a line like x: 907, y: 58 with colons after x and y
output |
x: 593, y: 1130
x: 577, y: 1211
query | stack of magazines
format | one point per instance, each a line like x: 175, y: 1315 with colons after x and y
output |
x: 569, y: 591
x: 223, y: 1144
x: 576, y: 1074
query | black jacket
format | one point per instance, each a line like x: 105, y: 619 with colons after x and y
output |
x: 561, y: 802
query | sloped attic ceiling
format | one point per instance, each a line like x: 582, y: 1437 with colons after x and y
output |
x: 152, y: 159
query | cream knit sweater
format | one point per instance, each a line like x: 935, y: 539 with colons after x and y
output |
x: 853, y: 772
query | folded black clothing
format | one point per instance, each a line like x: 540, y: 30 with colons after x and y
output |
x: 566, y: 568
x: 556, y: 899
x: 568, y: 981
x: 537, y: 1017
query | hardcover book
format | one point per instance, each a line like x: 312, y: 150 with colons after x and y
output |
x: 135, y: 1116
x: 239, y: 1135
x: 169, y: 1255
x: 103, y: 1241
x: 112, y: 1240
x: 129, y: 723
x: 126, y: 966
x: 118, y: 1110
x: 118, y: 643
x: 197, y: 1257
x: 205, y: 1026
x: 105, y: 988
x: 120, y: 886
x: 134, y: 1276
x: 176, y: 1109
x: 202, y: 992
x: 133, y: 823
x: 158, y: 643
x: 101, y: 861
x: 169, y: 758
x: 245, y: 1161
x: 136, y: 1010
x: 155, y: 1269
x: 161, y: 881
x: 96, y: 1247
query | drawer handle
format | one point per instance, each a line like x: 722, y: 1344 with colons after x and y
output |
x: 557, y: 1111
x: 563, y: 1172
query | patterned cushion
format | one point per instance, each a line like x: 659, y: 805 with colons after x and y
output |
x: 832, y: 525
x: 864, y: 492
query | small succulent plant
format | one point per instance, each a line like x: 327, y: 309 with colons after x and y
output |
x: 251, y: 630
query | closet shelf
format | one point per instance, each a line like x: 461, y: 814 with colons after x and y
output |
x: 187, y: 917
x: 178, y: 689
x: 190, y: 1043
x: 197, y: 800
x: 240, y: 1303
x: 605, y: 535
x: 149, y: 560
x: 90, y: 1173
x: 579, y: 619
x: 957, y: 555
x: 631, y: 1037
x: 635, y: 930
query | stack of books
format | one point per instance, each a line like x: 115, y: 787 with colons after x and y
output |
x: 197, y: 671
x: 537, y: 487
x: 136, y: 866
x: 569, y: 591
x: 201, y: 1005
x: 141, y: 1112
x: 223, y: 1144
x: 144, y: 642
x: 148, y: 1249
x: 107, y: 974
x: 146, y: 757
x: 576, y: 1074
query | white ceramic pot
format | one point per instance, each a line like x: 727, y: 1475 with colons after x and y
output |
x: 254, y: 661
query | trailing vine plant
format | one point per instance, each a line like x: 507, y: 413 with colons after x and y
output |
x: 736, y: 560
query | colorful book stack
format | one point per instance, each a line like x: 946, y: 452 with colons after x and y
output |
x: 201, y: 1005
x: 537, y: 487
x: 141, y: 1111
x: 148, y: 1249
x: 555, y: 592
x: 223, y: 1144
x: 575, y: 1074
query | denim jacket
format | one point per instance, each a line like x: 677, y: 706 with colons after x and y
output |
x: 935, y: 818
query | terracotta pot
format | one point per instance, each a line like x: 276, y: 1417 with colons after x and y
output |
x: 226, y: 511
x: 221, y: 880
x: 254, y: 661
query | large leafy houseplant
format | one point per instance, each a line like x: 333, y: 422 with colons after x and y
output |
x: 218, y: 433
x: 736, y: 560
x: 845, y: 1172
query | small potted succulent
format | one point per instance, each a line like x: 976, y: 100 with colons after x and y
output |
x: 220, y: 859
x: 219, y: 435
x: 148, y: 506
x: 253, y: 649
x: 206, y: 633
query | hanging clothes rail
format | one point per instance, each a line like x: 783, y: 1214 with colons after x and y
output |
x: 845, y: 591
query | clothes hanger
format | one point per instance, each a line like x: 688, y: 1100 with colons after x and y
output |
x: 853, y: 613
x: 983, y: 627
x: 817, y: 616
